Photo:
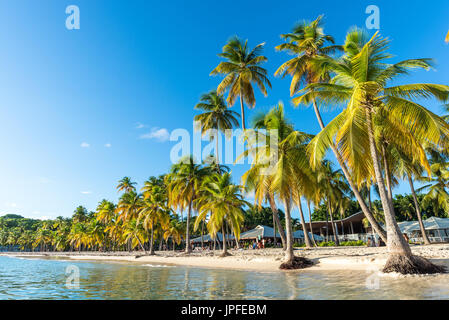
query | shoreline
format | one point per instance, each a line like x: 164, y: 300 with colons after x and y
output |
x: 264, y: 260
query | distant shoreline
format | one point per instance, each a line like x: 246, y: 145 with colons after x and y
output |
x: 266, y: 260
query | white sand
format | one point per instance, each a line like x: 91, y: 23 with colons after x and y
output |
x: 341, y: 258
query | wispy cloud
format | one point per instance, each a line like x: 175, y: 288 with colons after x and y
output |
x: 85, y: 145
x: 108, y: 145
x: 140, y: 125
x: 86, y: 192
x: 11, y: 204
x: 160, y: 134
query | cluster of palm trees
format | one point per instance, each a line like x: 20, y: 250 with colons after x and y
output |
x: 383, y: 133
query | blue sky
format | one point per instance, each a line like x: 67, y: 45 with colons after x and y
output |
x: 80, y: 109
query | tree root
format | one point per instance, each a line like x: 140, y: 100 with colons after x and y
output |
x: 411, y: 265
x: 226, y: 254
x: 297, y: 263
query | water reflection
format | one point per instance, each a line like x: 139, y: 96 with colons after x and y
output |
x: 46, y: 279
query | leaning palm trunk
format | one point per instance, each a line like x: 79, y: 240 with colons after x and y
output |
x: 225, y: 246
x: 418, y: 211
x: 400, y: 255
x: 274, y: 209
x: 303, y: 223
x: 334, y: 230
x: 366, y: 211
x: 289, y: 255
x: 152, y: 241
x: 310, y: 224
x: 188, y: 250
x: 292, y: 262
x: 242, y: 110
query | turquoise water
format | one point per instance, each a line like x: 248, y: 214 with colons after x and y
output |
x: 47, y: 279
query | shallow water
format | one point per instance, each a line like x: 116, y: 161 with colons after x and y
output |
x: 29, y: 278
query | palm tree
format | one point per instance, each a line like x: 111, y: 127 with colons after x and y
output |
x: 242, y: 69
x: 220, y: 197
x: 154, y: 210
x: 333, y: 188
x: 135, y: 234
x: 185, y: 180
x: 360, y: 81
x: 308, y: 43
x: 174, y: 231
x: 126, y: 185
x: 216, y: 117
x: 289, y: 167
x: 407, y: 169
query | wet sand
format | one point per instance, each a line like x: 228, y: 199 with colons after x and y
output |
x: 267, y: 260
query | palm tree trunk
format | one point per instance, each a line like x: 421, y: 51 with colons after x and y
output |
x: 366, y: 211
x: 310, y: 223
x: 202, y: 233
x: 387, y: 173
x: 242, y: 110
x: 303, y: 223
x: 188, y: 249
x: 152, y: 241
x: 274, y: 209
x: 418, y: 210
x: 395, y: 242
x: 289, y: 255
x: 274, y: 229
x: 225, y: 246
x: 337, y: 243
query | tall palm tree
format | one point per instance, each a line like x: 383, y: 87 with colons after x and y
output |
x: 407, y: 169
x: 126, y: 185
x: 242, y: 69
x: 220, y: 197
x: 185, y: 180
x: 216, y: 117
x: 333, y: 188
x: 308, y: 43
x: 154, y: 211
x: 360, y: 81
x: 289, y: 166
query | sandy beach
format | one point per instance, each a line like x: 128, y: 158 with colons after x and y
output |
x: 266, y: 260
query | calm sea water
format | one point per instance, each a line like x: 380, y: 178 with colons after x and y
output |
x: 29, y: 278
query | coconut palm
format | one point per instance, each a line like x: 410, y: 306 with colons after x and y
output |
x: 360, y: 82
x: 135, y: 234
x: 242, y: 69
x: 184, y: 182
x: 174, y: 231
x: 288, y: 166
x: 308, y: 43
x: 222, y: 199
x: 154, y: 211
x: 407, y: 169
x: 216, y: 117
x: 126, y: 185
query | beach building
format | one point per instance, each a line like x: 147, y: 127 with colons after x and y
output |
x: 437, y: 230
x: 347, y: 229
x: 264, y: 232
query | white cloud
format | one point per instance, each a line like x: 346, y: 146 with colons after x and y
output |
x: 108, y: 145
x: 140, y: 125
x: 11, y: 204
x: 85, y: 145
x: 160, y: 134
x: 86, y: 192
